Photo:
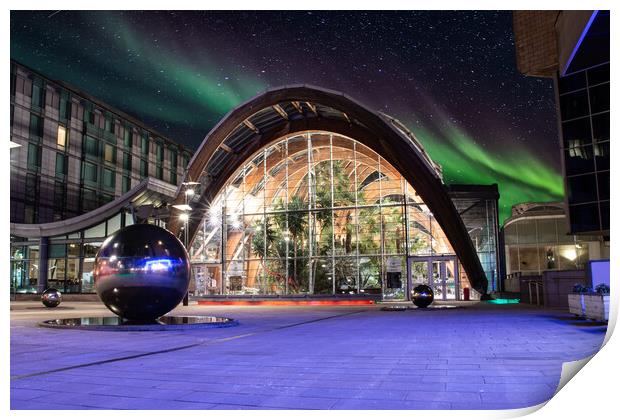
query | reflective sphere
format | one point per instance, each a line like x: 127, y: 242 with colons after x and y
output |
x: 141, y: 272
x: 51, y: 297
x: 422, y: 296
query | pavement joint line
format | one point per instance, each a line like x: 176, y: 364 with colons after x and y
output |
x: 169, y: 350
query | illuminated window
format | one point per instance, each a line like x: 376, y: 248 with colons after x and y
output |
x: 109, y: 153
x: 61, y: 139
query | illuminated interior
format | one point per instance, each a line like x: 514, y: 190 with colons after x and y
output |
x: 320, y: 213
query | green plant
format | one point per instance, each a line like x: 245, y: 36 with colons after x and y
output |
x: 602, y: 289
x: 581, y: 288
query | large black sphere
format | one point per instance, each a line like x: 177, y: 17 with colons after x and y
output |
x: 141, y: 272
x: 422, y: 295
x: 51, y: 297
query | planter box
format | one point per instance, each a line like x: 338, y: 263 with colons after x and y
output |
x: 597, y: 307
x: 576, y: 304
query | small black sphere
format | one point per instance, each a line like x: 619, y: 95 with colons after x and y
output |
x: 422, y: 295
x: 51, y: 297
x: 141, y: 272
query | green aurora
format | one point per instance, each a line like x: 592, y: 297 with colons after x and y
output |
x: 188, y: 93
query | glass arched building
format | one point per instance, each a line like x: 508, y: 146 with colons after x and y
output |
x: 305, y: 191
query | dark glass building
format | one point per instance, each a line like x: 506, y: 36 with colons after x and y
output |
x: 572, y: 47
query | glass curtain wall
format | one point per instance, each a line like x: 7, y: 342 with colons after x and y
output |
x: 71, y: 258
x: 314, y: 213
x: 534, y: 245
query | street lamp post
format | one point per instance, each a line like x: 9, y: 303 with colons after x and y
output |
x: 188, y: 192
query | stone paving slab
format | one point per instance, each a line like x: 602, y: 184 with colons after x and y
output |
x: 476, y: 357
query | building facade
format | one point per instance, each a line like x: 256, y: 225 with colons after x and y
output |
x: 76, y: 153
x: 536, y: 240
x: 80, y: 170
x: 303, y: 191
x: 572, y: 47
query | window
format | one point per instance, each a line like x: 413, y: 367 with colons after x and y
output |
x: 59, y: 196
x: 37, y: 95
x: 36, y: 127
x: 144, y: 168
x: 91, y: 147
x: 61, y: 138
x: 599, y: 98
x: 159, y: 152
x: 109, y: 153
x: 127, y: 161
x: 65, y: 107
x: 89, y: 173
x: 584, y: 217
x: 159, y: 172
x: 126, y: 184
x: 581, y: 189
x: 61, y: 164
x: 105, y: 198
x: 109, y: 178
x: 173, y: 159
x: 34, y: 156
x: 144, y: 145
x: 32, y: 188
x: 574, y: 105
x: 109, y: 124
x: 173, y: 177
x: 128, y: 139
x: 89, y: 200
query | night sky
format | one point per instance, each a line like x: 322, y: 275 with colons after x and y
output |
x: 449, y: 76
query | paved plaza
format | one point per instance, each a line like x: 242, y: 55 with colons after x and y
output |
x: 479, y: 356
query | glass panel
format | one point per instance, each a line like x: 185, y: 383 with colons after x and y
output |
x: 73, y: 282
x: 96, y: 231
x: 601, y: 155
x: 527, y: 231
x: 572, y: 82
x: 419, y: 273
x: 114, y: 224
x: 86, y: 280
x: 109, y: 154
x: 546, y: 230
x: 395, y: 281
x: 370, y: 274
x: 577, y: 132
x: 584, y: 217
x: 600, y: 126
x: 578, y: 158
x: 436, y: 277
x: 599, y: 74
x: 369, y: 230
x: 321, y: 276
x: 567, y: 257
x: 599, y: 98
x: 574, y: 105
x: 56, y: 273
x: 450, y: 279
x: 393, y: 230
x: 345, y: 232
x: 345, y: 270
x: 580, y: 189
x: 513, y: 260
x: 528, y: 259
x: 61, y: 138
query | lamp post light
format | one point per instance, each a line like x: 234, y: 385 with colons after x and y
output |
x: 188, y: 190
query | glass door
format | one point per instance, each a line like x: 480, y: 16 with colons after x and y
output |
x: 440, y: 273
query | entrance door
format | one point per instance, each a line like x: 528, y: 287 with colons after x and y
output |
x: 440, y: 273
